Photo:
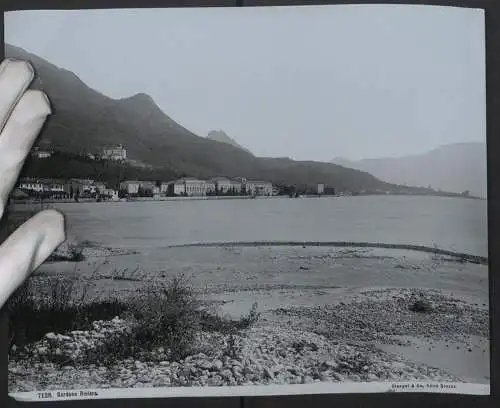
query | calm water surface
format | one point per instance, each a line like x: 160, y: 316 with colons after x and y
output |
x: 450, y: 223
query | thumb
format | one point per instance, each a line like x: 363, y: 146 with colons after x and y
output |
x: 27, y: 248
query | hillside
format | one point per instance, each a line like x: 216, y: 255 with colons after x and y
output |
x: 222, y: 137
x: 455, y: 168
x: 85, y: 119
x: 64, y: 165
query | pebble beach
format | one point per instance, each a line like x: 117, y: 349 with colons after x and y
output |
x: 309, y: 330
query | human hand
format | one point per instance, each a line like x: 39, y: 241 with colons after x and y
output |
x: 22, y: 114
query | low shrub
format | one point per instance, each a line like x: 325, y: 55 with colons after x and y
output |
x: 421, y: 306
x: 167, y: 317
x: 31, y: 317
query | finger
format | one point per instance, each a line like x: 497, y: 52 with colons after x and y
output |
x: 15, y: 77
x: 27, y: 248
x: 17, y: 138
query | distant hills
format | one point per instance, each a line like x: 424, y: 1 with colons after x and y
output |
x: 222, y: 137
x: 84, y: 120
x: 455, y: 168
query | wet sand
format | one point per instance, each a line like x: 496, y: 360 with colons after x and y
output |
x: 225, y: 270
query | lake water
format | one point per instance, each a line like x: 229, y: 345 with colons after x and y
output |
x: 449, y: 223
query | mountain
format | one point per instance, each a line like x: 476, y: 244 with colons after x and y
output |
x: 454, y: 167
x: 222, y: 137
x: 86, y: 120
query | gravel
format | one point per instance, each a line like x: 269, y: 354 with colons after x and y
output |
x: 67, y: 250
x: 329, y: 344
x: 378, y: 315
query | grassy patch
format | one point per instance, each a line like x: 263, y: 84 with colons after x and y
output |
x: 30, y: 318
x: 421, y: 306
x: 167, y: 317
x: 135, y: 275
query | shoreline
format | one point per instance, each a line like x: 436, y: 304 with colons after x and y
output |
x: 237, y: 268
x: 461, y: 256
x: 211, y: 198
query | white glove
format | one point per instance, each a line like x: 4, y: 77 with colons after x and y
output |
x: 22, y: 115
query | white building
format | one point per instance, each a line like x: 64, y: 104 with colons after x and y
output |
x: 320, y: 189
x: 224, y: 185
x: 118, y: 153
x: 130, y: 186
x: 31, y: 185
x: 147, y: 185
x: 164, y: 188
x: 209, y: 187
x: 194, y: 187
x: 100, y: 186
x: 110, y: 194
x: 259, y: 188
x: 55, y: 187
x: 84, y: 186
x: 41, y: 153
x: 178, y: 187
x: 188, y: 186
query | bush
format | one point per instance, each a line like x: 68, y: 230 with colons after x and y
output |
x: 421, y: 306
x: 59, y: 311
x: 168, y: 317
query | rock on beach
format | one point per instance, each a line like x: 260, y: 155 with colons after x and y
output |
x: 319, y: 360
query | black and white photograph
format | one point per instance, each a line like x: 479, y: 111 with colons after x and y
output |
x: 258, y: 201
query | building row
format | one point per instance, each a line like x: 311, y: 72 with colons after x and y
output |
x: 65, y: 188
x: 193, y: 187
x: 187, y: 186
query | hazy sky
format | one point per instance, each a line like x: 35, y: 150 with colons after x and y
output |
x: 303, y: 82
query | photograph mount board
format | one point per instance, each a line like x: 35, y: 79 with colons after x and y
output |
x: 243, y: 261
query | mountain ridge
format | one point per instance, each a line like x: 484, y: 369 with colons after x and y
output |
x: 222, y: 137
x: 454, y: 167
x: 86, y: 120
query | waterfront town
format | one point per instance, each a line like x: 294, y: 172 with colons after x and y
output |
x: 88, y: 189
x: 184, y: 187
x: 74, y: 189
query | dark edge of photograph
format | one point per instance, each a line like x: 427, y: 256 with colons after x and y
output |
x: 493, y: 126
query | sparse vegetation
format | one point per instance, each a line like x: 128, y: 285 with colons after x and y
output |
x: 168, y: 317
x: 421, y: 306
x: 32, y: 316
